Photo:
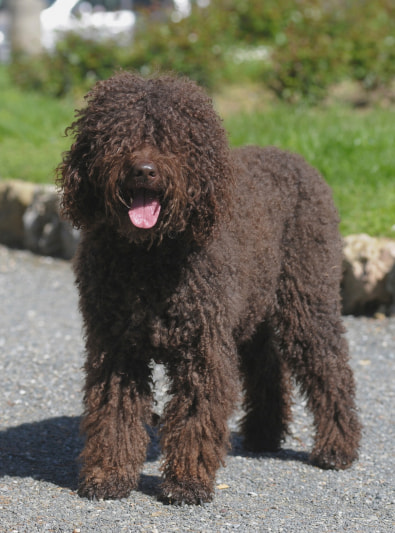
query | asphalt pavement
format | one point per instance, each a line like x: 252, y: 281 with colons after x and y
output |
x: 41, y: 355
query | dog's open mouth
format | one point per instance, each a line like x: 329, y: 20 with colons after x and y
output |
x: 145, y: 209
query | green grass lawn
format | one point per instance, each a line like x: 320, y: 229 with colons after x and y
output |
x: 31, y: 133
x: 354, y: 150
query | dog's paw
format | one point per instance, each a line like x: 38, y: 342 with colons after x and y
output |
x: 111, y: 487
x: 187, y: 492
x: 333, y: 459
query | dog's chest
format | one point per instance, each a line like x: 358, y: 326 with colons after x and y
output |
x: 155, y: 308
x: 157, y: 321
x: 166, y: 296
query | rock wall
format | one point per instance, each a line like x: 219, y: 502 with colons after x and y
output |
x: 29, y: 218
x: 368, y: 284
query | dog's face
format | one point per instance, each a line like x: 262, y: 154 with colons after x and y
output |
x: 150, y: 159
x: 144, y: 195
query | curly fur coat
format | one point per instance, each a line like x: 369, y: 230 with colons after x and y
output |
x: 224, y: 265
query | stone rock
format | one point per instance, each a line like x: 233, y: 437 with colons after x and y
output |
x: 391, y: 288
x: 29, y: 217
x: 44, y: 232
x: 368, y: 284
x: 15, y: 197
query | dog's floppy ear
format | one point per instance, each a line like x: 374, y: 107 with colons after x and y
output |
x: 208, y: 160
x: 79, y: 200
x: 212, y: 200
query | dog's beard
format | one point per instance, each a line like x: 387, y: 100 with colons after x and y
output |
x: 146, y: 218
x: 147, y: 214
x: 143, y: 207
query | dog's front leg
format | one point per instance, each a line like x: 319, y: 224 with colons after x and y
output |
x: 117, y: 405
x: 195, y: 435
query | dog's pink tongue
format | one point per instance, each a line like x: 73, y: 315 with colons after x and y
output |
x: 145, y: 210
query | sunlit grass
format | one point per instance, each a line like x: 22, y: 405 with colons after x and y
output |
x: 354, y: 150
x: 31, y: 133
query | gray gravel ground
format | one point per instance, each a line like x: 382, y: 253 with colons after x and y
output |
x: 40, y: 382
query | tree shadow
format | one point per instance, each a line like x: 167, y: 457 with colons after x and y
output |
x: 47, y: 450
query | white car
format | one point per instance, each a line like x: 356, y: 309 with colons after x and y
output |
x: 92, y: 22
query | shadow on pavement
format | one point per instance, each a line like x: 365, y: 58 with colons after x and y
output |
x: 284, y: 454
x: 45, y: 450
x: 48, y: 450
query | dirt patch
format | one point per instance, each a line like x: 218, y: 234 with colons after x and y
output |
x: 251, y: 97
x: 246, y: 98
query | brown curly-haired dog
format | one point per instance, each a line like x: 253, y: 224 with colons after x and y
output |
x: 222, y: 264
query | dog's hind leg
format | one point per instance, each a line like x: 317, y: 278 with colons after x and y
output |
x: 267, y: 392
x: 317, y: 354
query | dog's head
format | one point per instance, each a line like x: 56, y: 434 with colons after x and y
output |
x: 150, y: 158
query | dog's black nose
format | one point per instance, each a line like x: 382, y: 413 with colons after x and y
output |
x: 144, y: 170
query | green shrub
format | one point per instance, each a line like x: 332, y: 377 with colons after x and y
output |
x: 187, y: 47
x: 73, y: 68
x: 311, y: 45
x: 306, y: 57
x: 322, y: 43
x: 371, y: 43
x: 195, y: 46
x: 262, y: 21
